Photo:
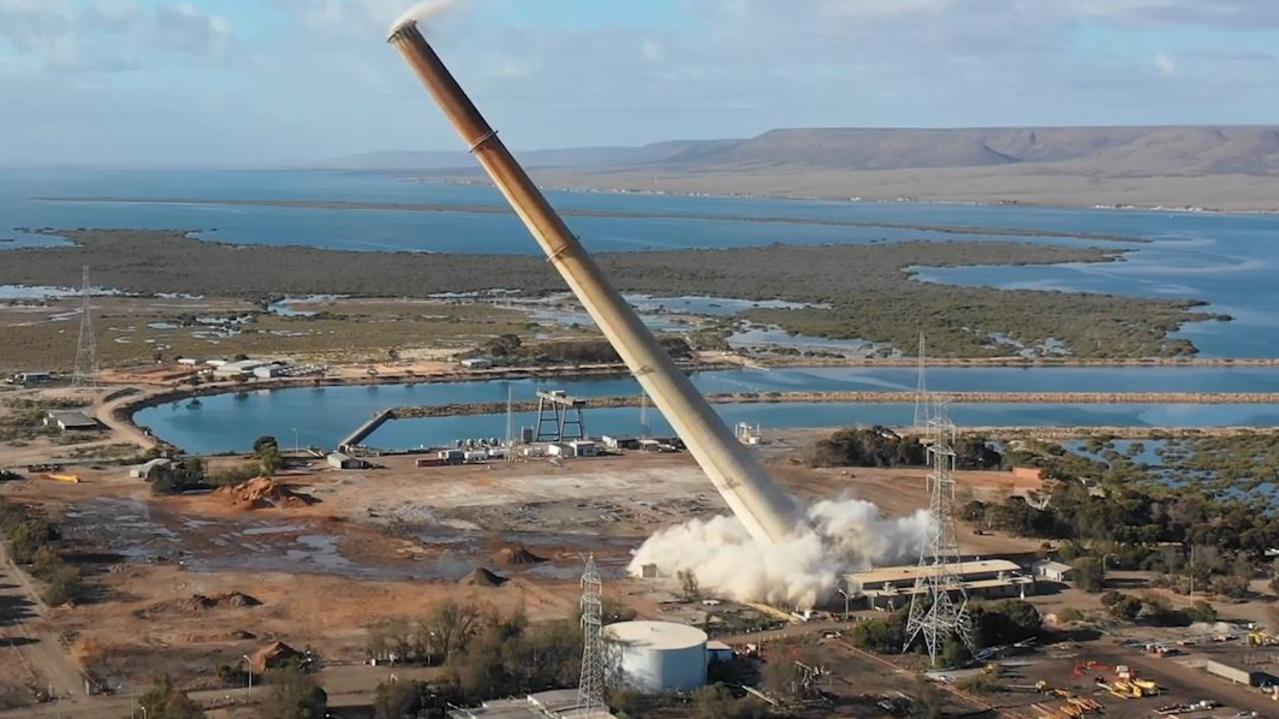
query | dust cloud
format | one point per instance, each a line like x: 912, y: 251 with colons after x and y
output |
x: 841, y: 535
x: 422, y: 12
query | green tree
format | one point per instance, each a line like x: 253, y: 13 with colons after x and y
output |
x: 294, y: 695
x: 261, y: 443
x: 269, y: 458
x: 165, y: 701
x: 1089, y: 576
x: 64, y: 586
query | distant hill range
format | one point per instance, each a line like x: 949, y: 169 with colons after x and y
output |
x: 1226, y: 167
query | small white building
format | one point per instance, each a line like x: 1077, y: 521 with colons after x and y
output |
x: 650, y: 445
x: 270, y: 371
x: 238, y: 368
x: 70, y: 421
x: 147, y: 469
x: 188, y: 361
x: 477, y: 363
x: 717, y: 651
x: 32, y: 378
x: 339, y: 460
x: 1053, y: 571
x: 583, y: 448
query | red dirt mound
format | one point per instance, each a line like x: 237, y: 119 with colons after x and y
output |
x: 481, y: 577
x: 275, y: 654
x: 516, y: 555
x: 198, y: 603
x: 262, y: 493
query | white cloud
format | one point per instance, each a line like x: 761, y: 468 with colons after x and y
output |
x: 1165, y: 63
x: 880, y: 8
x: 106, y: 35
x: 652, y: 50
x: 185, y: 28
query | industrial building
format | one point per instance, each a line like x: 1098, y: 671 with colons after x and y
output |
x: 31, y: 378
x: 1239, y: 674
x: 892, y: 587
x: 70, y: 420
x: 656, y: 657
x: 148, y: 470
x: 555, y: 704
x: 236, y: 369
x: 341, y: 460
x: 615, y: 442
x: 1052, y: 571
x: 271, y: 371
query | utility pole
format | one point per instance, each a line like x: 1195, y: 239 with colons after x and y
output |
x: 1192, y: 571
x: 86, y: 356
x: 510, y: 423
x: 846, y: 598
x: 643, y: 415
x: 921, y: 389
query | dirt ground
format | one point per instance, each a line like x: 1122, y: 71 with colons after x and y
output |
x: 388, y: 543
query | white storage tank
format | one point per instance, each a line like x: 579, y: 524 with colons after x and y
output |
x: 654, y: 657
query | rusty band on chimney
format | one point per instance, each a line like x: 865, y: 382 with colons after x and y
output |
x: 491, y: 134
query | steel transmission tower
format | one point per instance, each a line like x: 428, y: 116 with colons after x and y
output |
x: 921, y: 389
x: 86, y: 356
x: 939, y: 604
x: 590, y: 689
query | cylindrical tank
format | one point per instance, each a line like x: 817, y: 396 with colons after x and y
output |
x: 654, y: 657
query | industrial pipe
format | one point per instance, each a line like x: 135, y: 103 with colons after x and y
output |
x: 761, y: 505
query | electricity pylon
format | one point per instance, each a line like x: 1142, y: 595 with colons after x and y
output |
x: 86, y: 356
x: 939, y: 603
x: 921, y: 389
x: 590, y: 689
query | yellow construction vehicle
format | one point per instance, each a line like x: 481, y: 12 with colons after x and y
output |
x: 1147, y: 687
x: 1259, y: 638
x: 1124, y: 689
x: 63, y: 477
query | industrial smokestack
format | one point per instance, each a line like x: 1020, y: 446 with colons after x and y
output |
x: 765, y: 510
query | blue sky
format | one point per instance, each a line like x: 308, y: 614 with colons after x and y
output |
x: 251, y: 82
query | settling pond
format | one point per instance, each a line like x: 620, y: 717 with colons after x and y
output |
x: 322, y: 416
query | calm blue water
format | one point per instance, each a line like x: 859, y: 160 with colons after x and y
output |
x: 1226, y: 260
x: 422, y: 231
x: 322, y: 416
x: 441, y: 431
x: 1229, y: 262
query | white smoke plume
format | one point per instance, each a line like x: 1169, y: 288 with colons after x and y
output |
x: 421, y: 12
x: 842, y: 535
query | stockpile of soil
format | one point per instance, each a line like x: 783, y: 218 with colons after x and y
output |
x: 261, y: 493
x: 273, y: 655
x: 516, y: 555
x: 199, y: 603
x: 481, y: 577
